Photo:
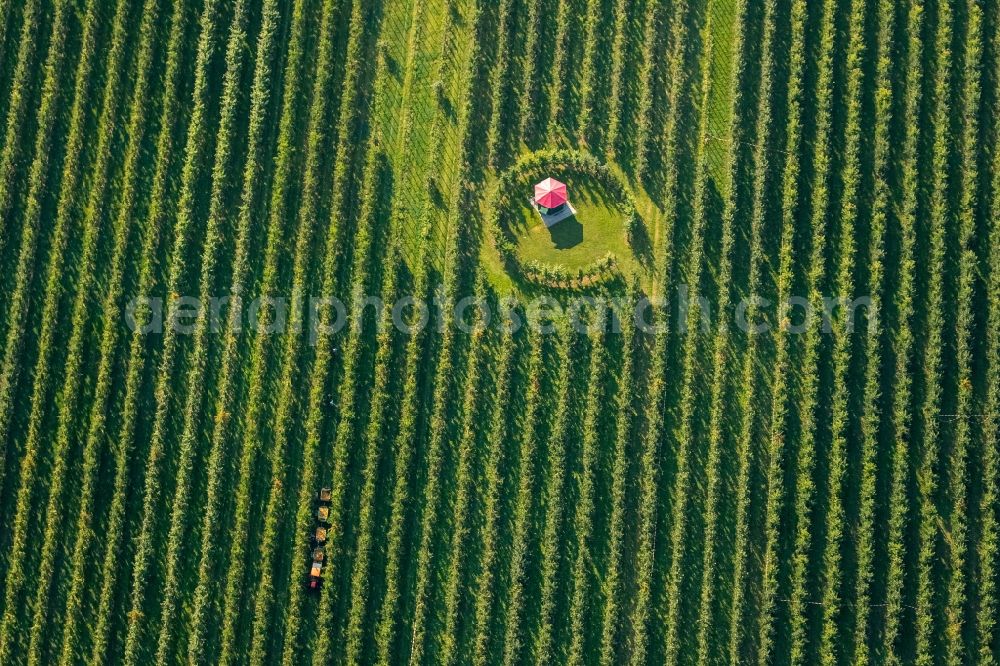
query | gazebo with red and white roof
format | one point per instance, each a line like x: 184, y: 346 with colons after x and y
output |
x: 550, y: 195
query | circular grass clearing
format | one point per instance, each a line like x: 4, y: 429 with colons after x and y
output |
x: 593, y: 245
x: 578, y: 241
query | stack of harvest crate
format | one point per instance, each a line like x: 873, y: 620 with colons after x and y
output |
x: 318, y: 539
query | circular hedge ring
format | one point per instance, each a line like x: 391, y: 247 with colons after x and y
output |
x: 508, y: 195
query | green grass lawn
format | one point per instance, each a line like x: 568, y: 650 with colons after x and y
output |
x: 595, y: 230
x: 577, y: 241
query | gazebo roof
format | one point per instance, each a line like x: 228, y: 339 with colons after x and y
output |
x: 550, y: 193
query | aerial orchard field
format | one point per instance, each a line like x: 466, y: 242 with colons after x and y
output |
x: 523, y: 331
